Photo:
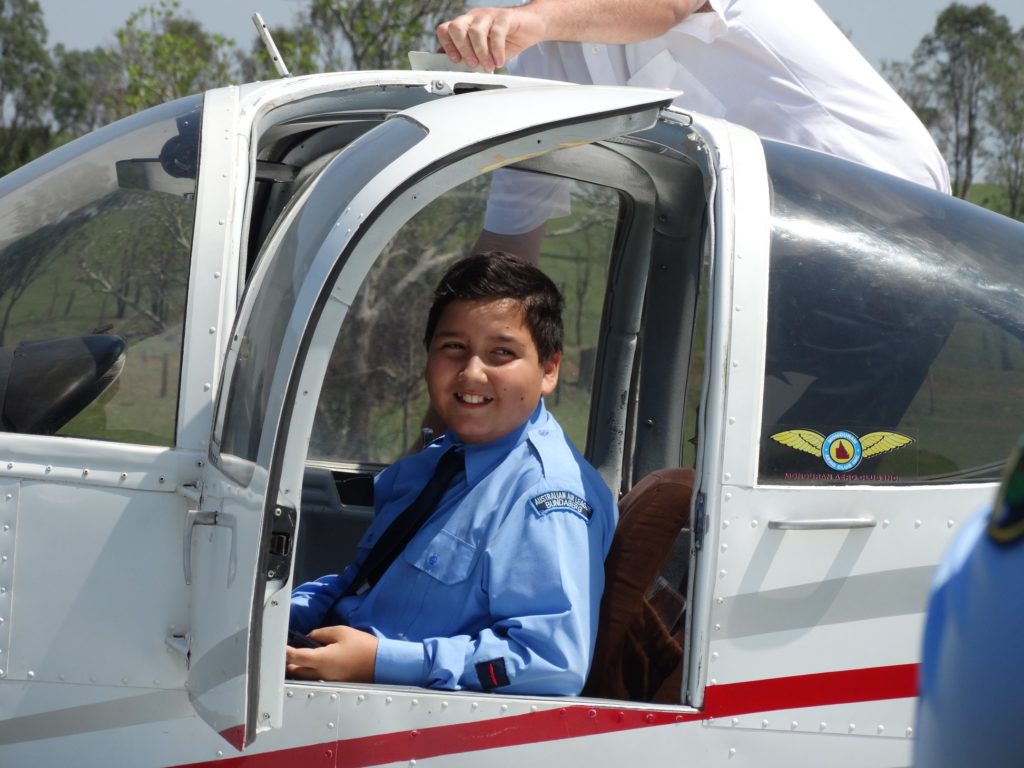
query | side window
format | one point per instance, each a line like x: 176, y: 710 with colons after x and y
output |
x: 374, y: 398
x: 95, y: 243
x: 895, y: 330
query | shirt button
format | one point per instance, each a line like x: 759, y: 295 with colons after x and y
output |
x: 432, y: 561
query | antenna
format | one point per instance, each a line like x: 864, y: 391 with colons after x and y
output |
x: 268, y: 43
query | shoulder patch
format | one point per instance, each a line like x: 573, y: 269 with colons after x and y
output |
x: 1006, y: 524
x: 561, y: 501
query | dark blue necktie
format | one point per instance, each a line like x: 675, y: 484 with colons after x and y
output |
x: 404, y: 527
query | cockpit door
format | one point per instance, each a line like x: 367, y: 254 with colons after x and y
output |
x: 239, y: 541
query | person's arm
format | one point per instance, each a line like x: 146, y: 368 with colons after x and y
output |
x: 543, y: 583
x: 488, y: 37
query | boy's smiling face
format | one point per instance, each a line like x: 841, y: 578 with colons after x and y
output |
x: 483, y: 372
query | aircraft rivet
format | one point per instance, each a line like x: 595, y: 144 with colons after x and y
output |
x: 728, y: 497
x: 309, y: 695
x: 727, y: 476
x: 444, y: 705
x: 917, y: 523
x: 852, y: 727
x: 910, y: 732
x: 220, y: 753
x: 718, y: 627
x: 216, y: 275
x: 885, y: 523
x: 764, y: 723
x: 412, y: 762
x: 213, y: 329
x: 3, y: 590
x: 49, y: 468
x: 329, y: 753
x: 206, y: 387
x: 732, y: 419
x: 124, y: 475
x: 334, y: 697
x: 3, y: 558
x: 714, y: 655
x: 388, y: 700
x: 221, y: 222
x: 735, y: 721
x: 266, y: 715
x: 534, y: 708
x: 360, y: 698
x: 881, y: 729
x: 10, y: 466
x: 277, y: 512
x: 649, y: 718
x: 290, y: 694
x: 735, y: 363
x: 950, y: 523
x: 739, y: 308
x: 474, y: 705
x: 30, y: 674
x: 162, y: 480
x: 504, y: 707
x: 621, y: 716
x: 794, y: 724
x: 414, y: 734
x: 679, y: 718
x: 753, y: 523
x: 7, y: 527
x: 721, y: 573
x: 3, y: 673
x: 822, y: 725
x: 725, y: 547
x: 270, y: 574
x: 732, y: 751
x: 726, y: 523
x: 592, y: 713
x: 330, y: 725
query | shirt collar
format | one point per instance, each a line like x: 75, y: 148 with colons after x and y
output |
x: 481, y: 458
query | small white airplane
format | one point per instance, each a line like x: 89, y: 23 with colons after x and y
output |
x: 210, y: 317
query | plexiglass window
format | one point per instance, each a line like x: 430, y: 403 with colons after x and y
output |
x: 895, y: 330
x: 95, y: 244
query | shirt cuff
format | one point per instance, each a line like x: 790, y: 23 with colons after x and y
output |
x: 400, y: 662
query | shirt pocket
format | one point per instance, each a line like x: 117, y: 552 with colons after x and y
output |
x: 446, y: 558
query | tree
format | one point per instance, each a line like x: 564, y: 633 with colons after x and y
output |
x: 84, y: 88
x: 956, y: 59
x: 376, y: 34
x: 26, y: 76
x: 162, y: 55
x: 1004, y: 112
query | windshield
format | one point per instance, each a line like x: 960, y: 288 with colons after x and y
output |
x: 95, y: 240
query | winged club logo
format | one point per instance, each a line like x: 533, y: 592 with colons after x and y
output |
x: 842, y: 450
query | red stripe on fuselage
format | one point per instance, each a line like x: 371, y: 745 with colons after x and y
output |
x: 575, y: 721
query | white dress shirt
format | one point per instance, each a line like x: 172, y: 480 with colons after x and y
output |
x: 778, y: 67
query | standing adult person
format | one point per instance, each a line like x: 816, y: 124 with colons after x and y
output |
x: 778, y: 67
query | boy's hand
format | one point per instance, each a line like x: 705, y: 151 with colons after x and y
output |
x: 348, y: 656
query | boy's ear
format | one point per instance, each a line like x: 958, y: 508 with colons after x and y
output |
x: 550, y: 367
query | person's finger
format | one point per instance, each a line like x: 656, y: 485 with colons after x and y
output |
x: 454, y: 37
x: 498, y: 37
x: 444, y: 37
x: 302, y: 673
x: 479, y: 38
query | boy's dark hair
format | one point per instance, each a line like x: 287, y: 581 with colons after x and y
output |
x: 500, y: 275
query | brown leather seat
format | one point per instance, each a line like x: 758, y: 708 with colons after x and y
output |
x: 636, y: 656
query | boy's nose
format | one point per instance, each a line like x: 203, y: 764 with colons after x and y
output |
x: 473, y: 370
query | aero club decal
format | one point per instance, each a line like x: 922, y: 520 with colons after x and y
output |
x: 842, y: 450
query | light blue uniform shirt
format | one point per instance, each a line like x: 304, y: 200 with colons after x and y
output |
x: 972, y: 667
x: 501, y: 587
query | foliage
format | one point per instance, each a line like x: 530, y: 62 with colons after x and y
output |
x: 1004, y: 110
x: 956, y: 63
x: 26, y: 77
x: 376, y: 34
x: 162, y: 55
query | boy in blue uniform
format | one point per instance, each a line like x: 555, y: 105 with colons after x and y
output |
x: 500, y: 587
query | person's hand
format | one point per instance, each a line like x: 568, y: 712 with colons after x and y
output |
x: 348, y: 656
x: 488, y: 37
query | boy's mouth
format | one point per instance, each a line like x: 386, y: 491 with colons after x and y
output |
x: 470, y: 399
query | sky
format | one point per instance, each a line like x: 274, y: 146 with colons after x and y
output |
x: 881, y: 29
